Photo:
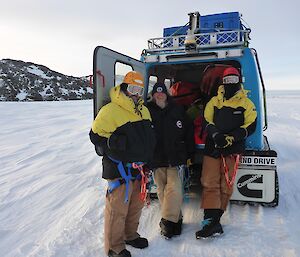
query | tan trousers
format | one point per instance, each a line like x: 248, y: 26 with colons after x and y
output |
x: 216, y: 193
x: 169, y: 192
x: 121, y: 219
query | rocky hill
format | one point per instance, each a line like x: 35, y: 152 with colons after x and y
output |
x: 26, y: 81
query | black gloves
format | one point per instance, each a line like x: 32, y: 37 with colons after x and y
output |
x: 219, y: 140
x: 223, y: 140
x: 211, y: 130
x: 117, y: 142
x: 239, y: 134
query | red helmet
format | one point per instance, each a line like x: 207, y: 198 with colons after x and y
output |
x: 231, y: 75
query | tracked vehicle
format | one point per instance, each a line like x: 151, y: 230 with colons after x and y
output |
x: 194, y: 54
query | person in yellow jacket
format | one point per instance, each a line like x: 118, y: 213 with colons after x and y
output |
x: 231, y: 118
x: 123, y: 133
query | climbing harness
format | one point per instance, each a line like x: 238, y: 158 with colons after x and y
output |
x: 226, y: 169
x: 127, y: 177
x: 144, y: 180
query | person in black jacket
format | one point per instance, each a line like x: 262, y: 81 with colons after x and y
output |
x: 175, y: 145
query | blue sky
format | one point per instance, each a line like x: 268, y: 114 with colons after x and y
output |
x: 63, y: 34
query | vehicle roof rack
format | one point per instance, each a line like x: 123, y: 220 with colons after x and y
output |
x: 216, y: 39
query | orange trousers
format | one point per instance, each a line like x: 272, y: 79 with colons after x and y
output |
x: 216, y: 193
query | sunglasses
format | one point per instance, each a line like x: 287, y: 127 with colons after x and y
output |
x: 135, y: 90
x: 232, y: 79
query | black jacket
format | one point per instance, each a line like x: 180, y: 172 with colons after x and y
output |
x: 174, y: 135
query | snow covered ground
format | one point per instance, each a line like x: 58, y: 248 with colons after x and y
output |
x: 52, y: 195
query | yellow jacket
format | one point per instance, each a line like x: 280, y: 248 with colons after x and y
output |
x: 228, y: 115
x: 124, y: 131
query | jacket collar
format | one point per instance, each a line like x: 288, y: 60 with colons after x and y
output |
x: 119, y: 98
x: 242, y: 93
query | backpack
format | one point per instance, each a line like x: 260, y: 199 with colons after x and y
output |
x: 185, y: 93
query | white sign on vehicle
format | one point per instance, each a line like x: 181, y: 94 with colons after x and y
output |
x: 254, y: 185
x: 258, y: 160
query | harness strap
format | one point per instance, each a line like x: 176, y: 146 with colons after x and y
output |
x: 229, y: 181
x: 126, y: 177
x: 144, y: 180
x: 112, y: 185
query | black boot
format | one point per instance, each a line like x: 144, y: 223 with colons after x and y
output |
x: 220, y: 214
x: 167, y: 228
x: 211, y: 224
x: 213, y: 213
x: 123, y: 253
x: 178, y: 228
x: 139, y: 242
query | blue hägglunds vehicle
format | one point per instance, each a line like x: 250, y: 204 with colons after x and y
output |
x: 193, y: 56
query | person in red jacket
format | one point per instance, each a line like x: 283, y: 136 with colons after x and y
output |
x: 231, y: 118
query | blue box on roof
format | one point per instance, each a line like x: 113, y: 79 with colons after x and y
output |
x: 210, y: 23
x: 175, y: 31
x: 220, y: 21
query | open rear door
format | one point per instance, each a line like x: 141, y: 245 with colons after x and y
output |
x: 104, y: 73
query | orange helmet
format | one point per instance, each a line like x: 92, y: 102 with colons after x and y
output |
x: 134, y: 78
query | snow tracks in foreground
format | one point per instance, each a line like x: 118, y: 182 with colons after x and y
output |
x: 52, y: 196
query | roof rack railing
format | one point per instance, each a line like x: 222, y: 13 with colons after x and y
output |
x: 216, y: 39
